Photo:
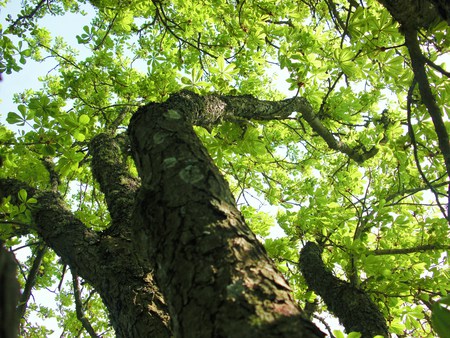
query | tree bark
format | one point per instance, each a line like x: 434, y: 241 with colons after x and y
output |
x: 354, y: 308
x: 9, y: 294
x: 107, y: 262
x: 214, y: 274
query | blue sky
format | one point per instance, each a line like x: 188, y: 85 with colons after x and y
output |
x: 67, y: 26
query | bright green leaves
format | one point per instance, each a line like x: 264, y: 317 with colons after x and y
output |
x: 196, y: 83
x: 15, y: 118
x: 19, y: 213
x: 346, y: 61
x: 9, y: 53
x: 340, y: 334
x: 260, y: 222
x: 222, y: 74
x: 87, y: 36
x: 79, y: 132
x: 84, y: 119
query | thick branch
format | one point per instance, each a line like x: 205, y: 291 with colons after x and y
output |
x: 412, y: 15
x: 354, y: 308
x: 111, y: 172
x: 418, y: 66
x: 207, y: 111
x: 108, y: 263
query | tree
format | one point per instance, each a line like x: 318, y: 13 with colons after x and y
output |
x: 142, y: 164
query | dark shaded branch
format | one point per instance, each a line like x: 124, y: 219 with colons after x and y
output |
x: 443, y: 8
x: 107, y: 262
x: 412, y: 15
x: 209, y: 110
x: 418, y: 66
x: 9, y: 294
x: 354, y: 308
x: 412, y: 136
x: 111, y: 172
x: 437, y: 67
x: 79, y: 306
x: 31, y: 281
x: 404, y: 251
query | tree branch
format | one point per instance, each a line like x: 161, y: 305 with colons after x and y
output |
x: 31, y: 281
x: 416, y: 157
x: 96, y: 257
x: 110, y: 170
x: 29, y: 15
x: 354, y: 308
x: 418, y: 66
x: 79, y: 307
x: 403, y: 251
x: 209, y: 110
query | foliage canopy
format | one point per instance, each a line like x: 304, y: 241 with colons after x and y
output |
x: 366, y: 176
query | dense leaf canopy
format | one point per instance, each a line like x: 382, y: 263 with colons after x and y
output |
x: 363, y: 170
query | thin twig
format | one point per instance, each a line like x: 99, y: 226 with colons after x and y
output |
x: 31, y: 281
x: 79, y: 306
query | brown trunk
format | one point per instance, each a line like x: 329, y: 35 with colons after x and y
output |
x: 186, y: 235
x: 214, y: 274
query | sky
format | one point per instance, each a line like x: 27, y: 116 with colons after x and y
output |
x: 28, y: 77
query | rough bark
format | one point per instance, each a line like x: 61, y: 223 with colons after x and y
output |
x: 107, y: 262
x: 415, y: 14
x: 214, y: 274
x: 354, y: 308
x: 9, y: 295
x: 209, y: 110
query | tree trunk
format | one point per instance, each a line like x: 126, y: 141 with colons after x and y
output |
x: 186, y: 253
x: 214, y: 274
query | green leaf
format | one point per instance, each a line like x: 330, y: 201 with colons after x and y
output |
x: 84, y: 119
x: 80, y: 137
x: 22, y: 195
x: 354, y: 335
x: 13, y: 118
x: 338, y: 334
